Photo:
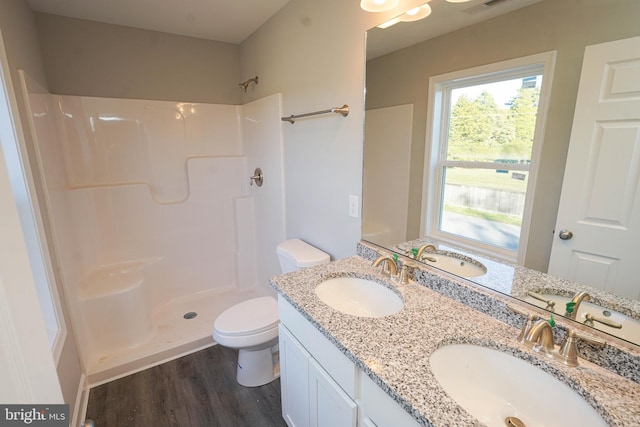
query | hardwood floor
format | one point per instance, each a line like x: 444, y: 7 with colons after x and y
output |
x: 197, y: 390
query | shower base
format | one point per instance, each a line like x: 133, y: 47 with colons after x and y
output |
x: 176, y: 334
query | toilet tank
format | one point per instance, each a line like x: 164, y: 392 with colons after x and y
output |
x: 295, y: 254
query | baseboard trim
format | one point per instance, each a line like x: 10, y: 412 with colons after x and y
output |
x: 121, y: 371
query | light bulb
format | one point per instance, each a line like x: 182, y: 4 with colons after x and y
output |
x: 378, y: 5
x: 416, y: 13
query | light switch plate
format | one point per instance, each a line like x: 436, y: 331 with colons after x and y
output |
x: 354, y: 206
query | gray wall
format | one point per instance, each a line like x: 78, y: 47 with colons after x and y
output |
x: 94, y: 59
x: 18, y: 28
x: 313, y: 52
x: 564, y: 25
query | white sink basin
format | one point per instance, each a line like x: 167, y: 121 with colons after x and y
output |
x: 630, y: 330
x: 359, y: 297
x: 456, y: 266
x: 492, y: 386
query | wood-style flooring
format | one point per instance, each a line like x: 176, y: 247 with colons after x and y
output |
x: 198, y: 390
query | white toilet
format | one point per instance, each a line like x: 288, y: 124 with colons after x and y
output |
x: 252, y: 326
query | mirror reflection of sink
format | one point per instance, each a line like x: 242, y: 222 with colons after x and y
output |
x: 455, y: 265
x: 492, y: 386
x: 629, y: 331
x: 359, y: 297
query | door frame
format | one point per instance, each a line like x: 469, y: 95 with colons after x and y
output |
x: 27, y: 363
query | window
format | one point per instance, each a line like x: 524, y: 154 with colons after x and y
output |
x: 485, y: 132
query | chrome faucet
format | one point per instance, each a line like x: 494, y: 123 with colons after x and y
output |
x: 388, y: 265
x: 422, y: 249
x: 540, y: 337
x: 574, y: 304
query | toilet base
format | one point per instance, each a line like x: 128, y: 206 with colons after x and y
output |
x: 258, y: 367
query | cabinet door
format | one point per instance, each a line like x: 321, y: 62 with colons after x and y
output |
x: 294, y: 379
x: 329, y: 405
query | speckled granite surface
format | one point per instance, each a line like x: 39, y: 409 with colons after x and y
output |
x: 613, y: 357
x: 516, y: 280
x: 394, y: 351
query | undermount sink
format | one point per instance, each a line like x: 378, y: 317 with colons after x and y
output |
x: 493, y: 386
x: 454, y: 265
x: 359, y: 297
x: 629, y: 331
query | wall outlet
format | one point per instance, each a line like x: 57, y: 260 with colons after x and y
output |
x: 354, y: 206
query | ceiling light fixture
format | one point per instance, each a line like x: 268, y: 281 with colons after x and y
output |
x: 415, y: 14
x: 458, y: 1
x: 378, y: 5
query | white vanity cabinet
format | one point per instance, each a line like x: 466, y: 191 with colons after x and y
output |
x: 294, y: 379
x: 310, y: 397
x: 329, y: 405
x: 321, y: 387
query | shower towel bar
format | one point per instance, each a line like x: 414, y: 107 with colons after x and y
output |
x: 344, y: 110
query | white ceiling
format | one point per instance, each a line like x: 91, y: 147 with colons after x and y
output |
x: 445, y: 17
x: 230, y: 21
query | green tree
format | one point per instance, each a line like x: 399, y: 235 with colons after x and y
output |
x: 479, y: 128
x: 524, y: 107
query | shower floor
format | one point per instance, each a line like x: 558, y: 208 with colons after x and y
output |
x: 175, y: 336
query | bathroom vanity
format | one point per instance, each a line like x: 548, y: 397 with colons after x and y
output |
x: 323, y: 387
x: 338, y: 369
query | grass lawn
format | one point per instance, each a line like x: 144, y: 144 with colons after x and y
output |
x: 487, y: 178
x: 491, y: 216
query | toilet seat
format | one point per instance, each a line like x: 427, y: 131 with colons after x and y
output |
x: 249, y: 323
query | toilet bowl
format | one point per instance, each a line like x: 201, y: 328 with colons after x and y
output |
x: 252, y: 325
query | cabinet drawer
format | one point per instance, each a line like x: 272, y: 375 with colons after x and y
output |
x: 341, y: 369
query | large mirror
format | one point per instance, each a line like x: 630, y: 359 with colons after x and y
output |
x: 402, y: 58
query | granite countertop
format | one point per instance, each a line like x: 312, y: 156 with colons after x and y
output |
x: 394, y: 350
x: 515, y: 280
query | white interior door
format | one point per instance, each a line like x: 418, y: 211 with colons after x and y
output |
x: 597, y: 233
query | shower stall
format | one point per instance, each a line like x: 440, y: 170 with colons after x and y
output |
x: 155, y: 225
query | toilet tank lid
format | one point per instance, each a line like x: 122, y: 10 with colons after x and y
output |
x: 301, y: 253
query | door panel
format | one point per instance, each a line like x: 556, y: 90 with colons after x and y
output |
x: 601, y: 192
x: 294, y: 379
x: 329, y: 405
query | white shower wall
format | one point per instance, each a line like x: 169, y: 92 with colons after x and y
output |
x: 153, y: 215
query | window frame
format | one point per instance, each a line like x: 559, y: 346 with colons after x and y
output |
x: 440, y: 87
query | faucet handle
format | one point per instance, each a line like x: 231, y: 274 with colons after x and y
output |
x: 589, y: 319
x: 568, y: 352
x: 406, y: 271
x: 526, y: 327
x: 518, y: 310
x: 550, y: 303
